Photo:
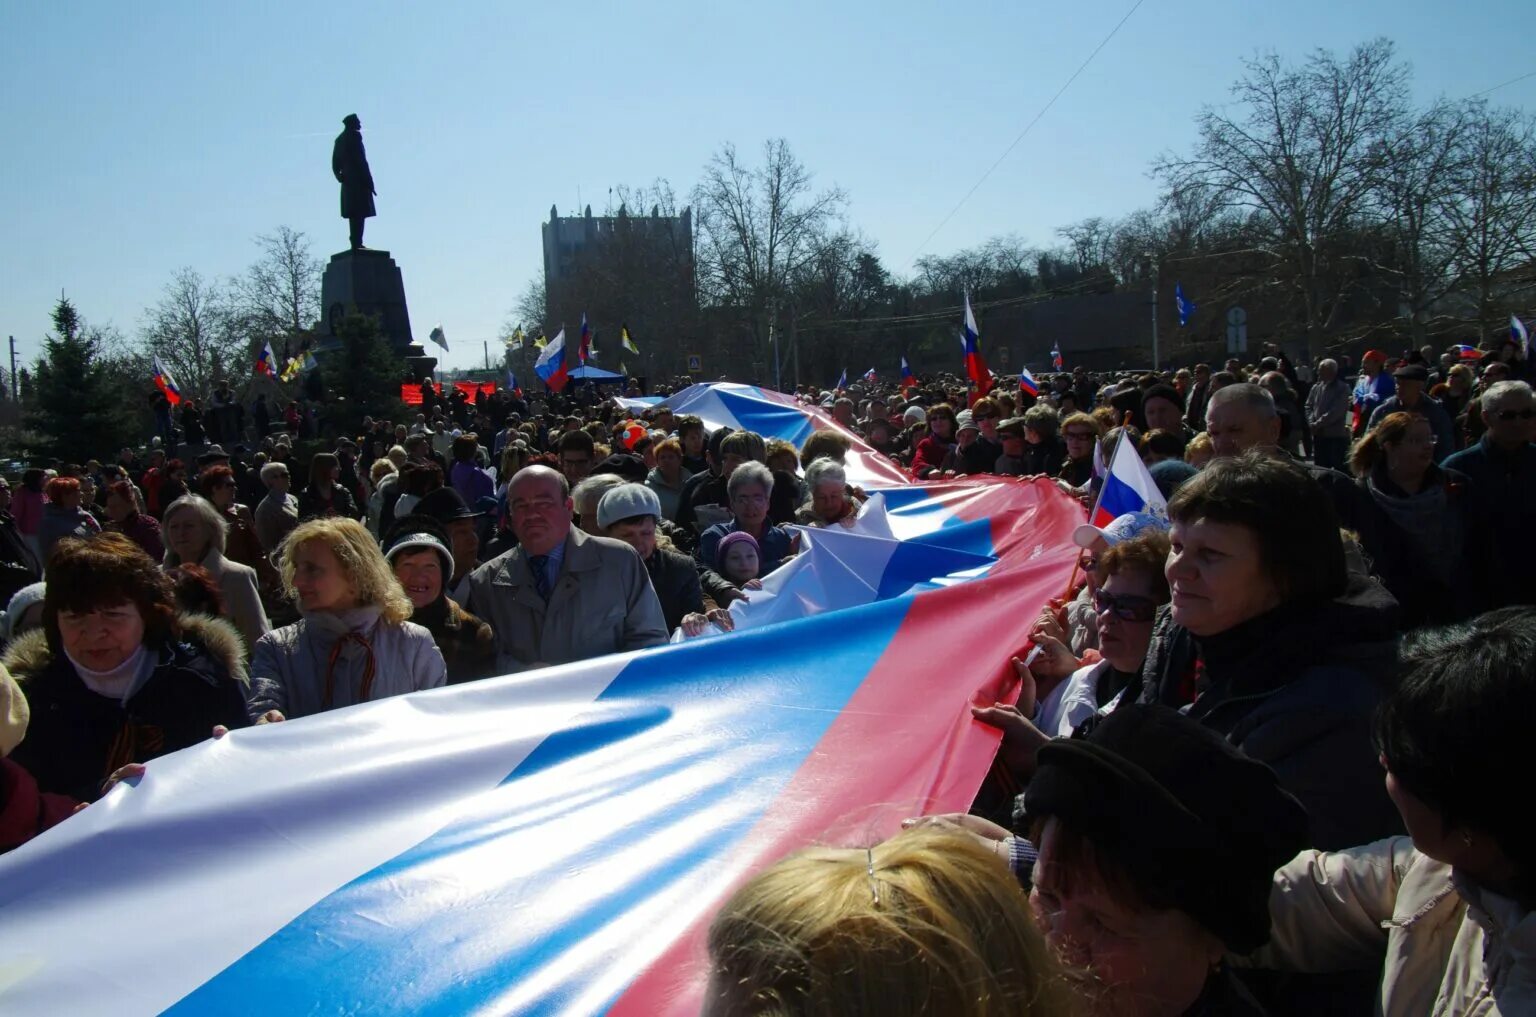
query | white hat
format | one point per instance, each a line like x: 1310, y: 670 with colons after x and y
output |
x: 625, y: 502
x: 14, y: 713
x: 1122, y: 528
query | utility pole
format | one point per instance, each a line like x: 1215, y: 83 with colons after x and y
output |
x: 1155, y: 360
x: 15, y: 391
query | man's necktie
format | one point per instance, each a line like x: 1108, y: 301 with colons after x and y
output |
x: 537, y: 563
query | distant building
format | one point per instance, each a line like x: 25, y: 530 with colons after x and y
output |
x: 622, y: 269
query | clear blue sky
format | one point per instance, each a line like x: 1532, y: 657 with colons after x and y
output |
x: 139, y: 138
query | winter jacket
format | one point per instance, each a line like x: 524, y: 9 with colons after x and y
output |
x: 77, y: 737
x: 773, y: 547
x: 601, y: 603
x: 1044, y: 459
x: 1504, y: 492
x: 467, y: 644
x: 313, y: 505
x: 237, y: 584
x: 26, y: 811
x: 1328, y: 409
x: 1296, y: 689
x: 930, y: 455
x: 276, y: 517
x: 27, y: 507
x: 243, y: 546
x: 1398, y: 558
x: 144, y: 531
x: 289, y: 666
x: 671, y: 497
x: 471, y: 482
x: 60, y: 522
x: 980, y: 455
x: 676, y: 582
x: 1452, y: 948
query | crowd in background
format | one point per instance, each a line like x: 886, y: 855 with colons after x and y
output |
x: 1257, y: 760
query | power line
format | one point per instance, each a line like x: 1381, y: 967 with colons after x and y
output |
x: 1043, y: 111
x: 1495, y: 88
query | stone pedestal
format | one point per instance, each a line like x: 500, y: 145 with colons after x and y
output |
x: 366, y: 282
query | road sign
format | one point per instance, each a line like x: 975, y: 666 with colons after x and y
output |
x: 1237, y: 330
x: 695, y: 364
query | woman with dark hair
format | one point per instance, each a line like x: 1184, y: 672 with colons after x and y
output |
x: 116, y: 675
x: 174, y: 486
x: 1450, y: 905
x: 195, y: 590
x: 1273, y: 643
x: 241, y: 544
x: 466, y: 476
x: 124, y: 517
x: 937, y: 445
x: 63, y: 516
x: 1415, y: 521
x: 324, y: 497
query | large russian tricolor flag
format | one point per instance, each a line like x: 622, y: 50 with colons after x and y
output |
x: 551, y: 366
x: 975, y: 363
x: 552, y: 842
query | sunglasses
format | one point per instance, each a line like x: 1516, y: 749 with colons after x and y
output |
x: 1507, y: 415
x: 1125, y: 606
x: 1078, y: 435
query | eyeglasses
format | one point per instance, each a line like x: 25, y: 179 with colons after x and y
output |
x: 1125, y: 606
x: 1507, y: 415
x: 1078, y: 435
x: 1430, y: 442
x: 979, y: 417
x: 1088, y: 563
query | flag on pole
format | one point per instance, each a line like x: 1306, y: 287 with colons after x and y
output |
x: 975, y: 364
x: 292, y: 369
x: 908, y: 382
x: 551, y: 367
x: 584, y: 347
x: 842, y: 381
x: 266, y: 361
x: 1056, y: 360
x: 1128, y: 487
x: 1027, y: 383
x: 541, y: 342
x: 869, y: 375
x: 310, y: 363
x: 516, y: 342
x: 165, y: 383
x: 623, y: 370
x: 1520, y: 334
x: 1464, y: 352
x: 437, y: 336
x: 512, y: 385
x: 1186, y: 307
x: 625, y: 340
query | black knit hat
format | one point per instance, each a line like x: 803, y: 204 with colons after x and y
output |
x: 1181, y: 809
x: 1163, y: 391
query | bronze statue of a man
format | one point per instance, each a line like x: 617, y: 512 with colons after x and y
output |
x: 350, y: 164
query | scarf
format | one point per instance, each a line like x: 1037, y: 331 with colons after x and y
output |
x: 347, y: 628
x: 1426, y: 519
x: 120, y: 682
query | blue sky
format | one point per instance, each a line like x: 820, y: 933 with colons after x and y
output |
x: 139, y: 138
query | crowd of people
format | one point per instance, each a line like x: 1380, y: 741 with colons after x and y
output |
x: 1256, y: 758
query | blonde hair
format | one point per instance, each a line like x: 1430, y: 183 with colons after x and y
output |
x: 1081, y: 419
x: 380, y: 469
x: 926, y: 923
x: 1199, y: 445
x: 361, y: 561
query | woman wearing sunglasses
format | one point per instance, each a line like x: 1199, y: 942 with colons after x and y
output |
x: 1273, y: 642
x: 1502, y: 469
x: 1415, y: 521
x: 1130, y: 587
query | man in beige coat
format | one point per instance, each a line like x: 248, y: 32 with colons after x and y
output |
x: 562, y: 595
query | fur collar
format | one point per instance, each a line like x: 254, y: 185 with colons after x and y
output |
x: 29, y: 654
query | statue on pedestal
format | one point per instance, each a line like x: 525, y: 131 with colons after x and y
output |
x: 349, y: 162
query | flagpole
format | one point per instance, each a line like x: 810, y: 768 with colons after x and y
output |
x: 1155, y: 360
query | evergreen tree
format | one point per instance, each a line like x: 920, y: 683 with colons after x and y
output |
x: 364, y: 376
x: 75, y: 403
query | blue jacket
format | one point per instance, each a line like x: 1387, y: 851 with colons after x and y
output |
x: 774, y: 546
x: 1504, y: 495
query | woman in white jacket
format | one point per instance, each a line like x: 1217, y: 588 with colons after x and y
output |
x: 1448, y: 908
x: 353, y: 643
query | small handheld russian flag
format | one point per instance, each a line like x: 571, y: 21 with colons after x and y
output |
x: 266, y: 361
x: 1128, y: 487
x: 907, y: 379
x: 842, y: 381
x: 869, y: 375
x: 1056, y: 360
x: 1027, y: 383
x: 1520, y: 334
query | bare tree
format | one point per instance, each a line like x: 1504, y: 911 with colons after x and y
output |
x: 1089, y: 241
x: 280, y: 293
x: 1494, y: 216
x: 756, y: 228
x: 1294, y: 154
x: 193, y: 330
x: 528, y: 311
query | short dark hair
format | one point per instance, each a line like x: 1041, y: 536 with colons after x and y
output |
x: 1289, y: 514
x: 688, y: 422
x: 1457, y: 719
x: 576, y: 441
x: 104, y: 571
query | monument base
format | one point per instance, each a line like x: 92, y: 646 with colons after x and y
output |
x: 366, y: 282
